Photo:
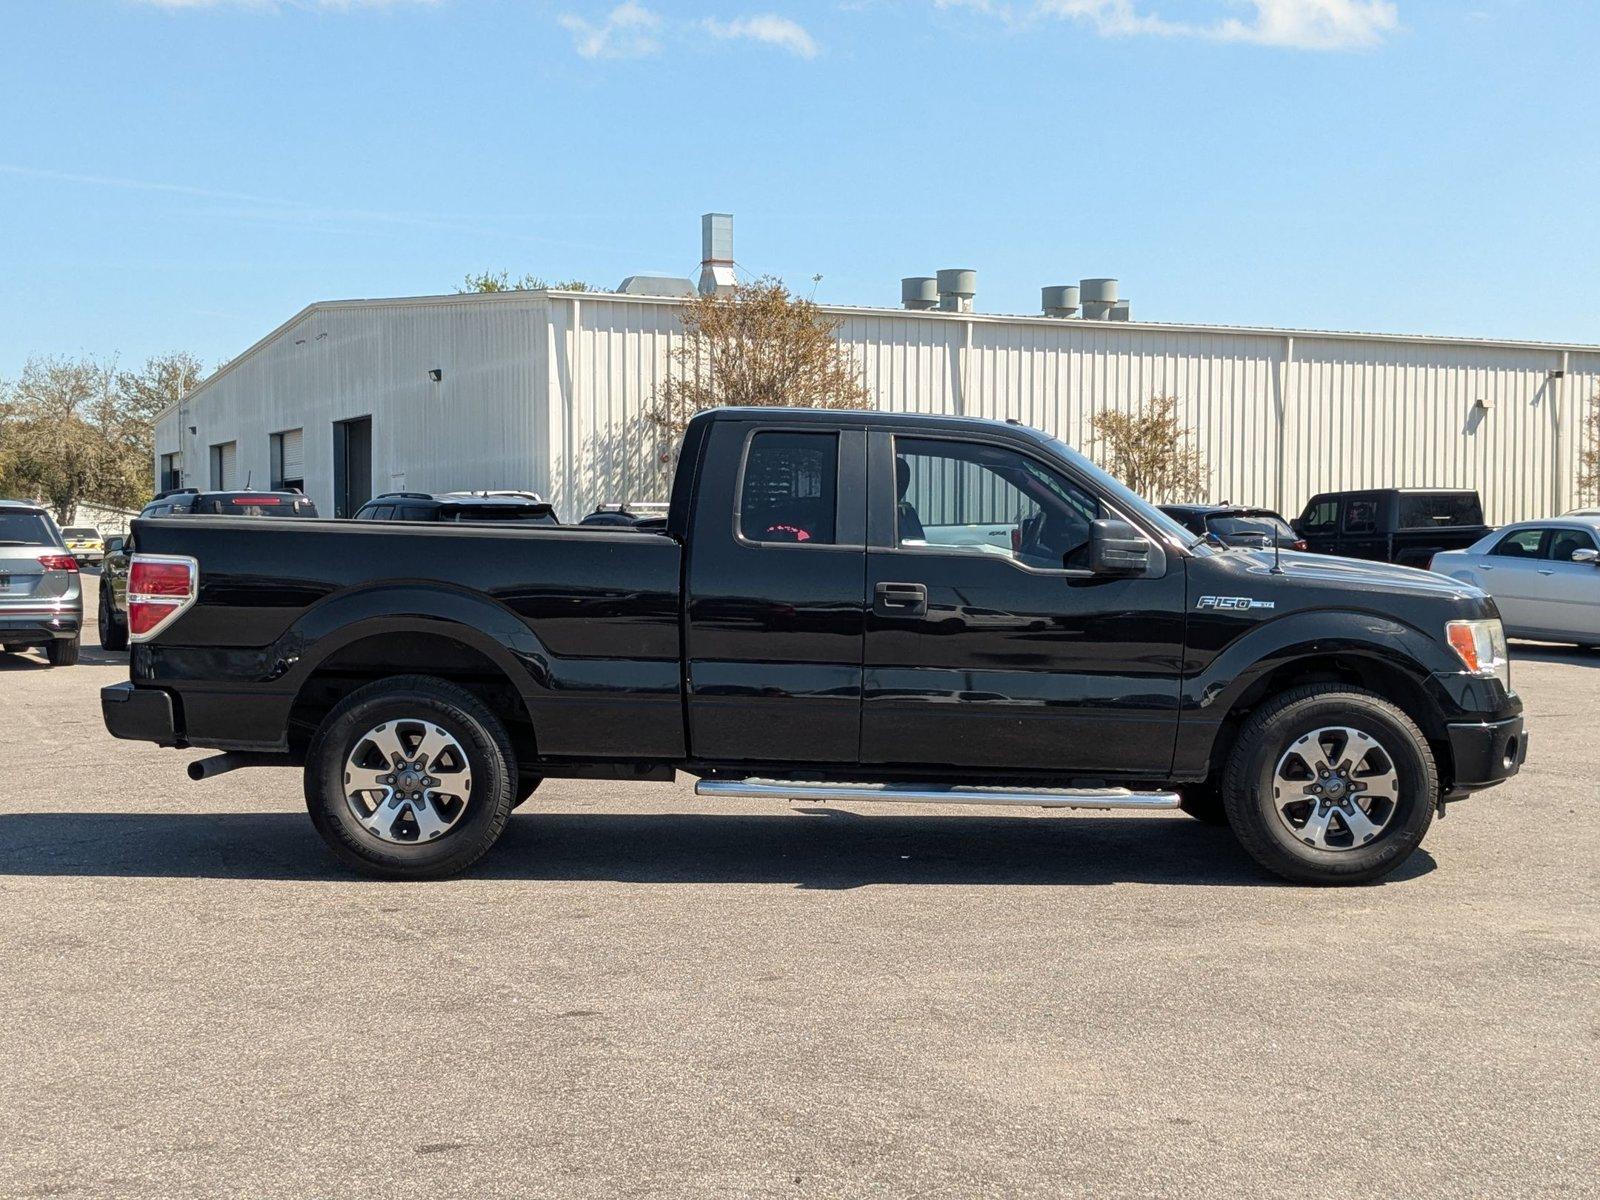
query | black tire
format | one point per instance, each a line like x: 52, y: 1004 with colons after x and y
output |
x: 527, y: 785
x: 491, y: 763
x: 1203, y: 802
x: 63, y: 652
x: 1248, y: 784
x: 113, y: 632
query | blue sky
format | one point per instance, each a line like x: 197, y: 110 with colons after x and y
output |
x: 185, y: 174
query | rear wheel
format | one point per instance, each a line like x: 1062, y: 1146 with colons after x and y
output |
x: 63, y: 652
x: 113, y: 633
x: 410, y: 778
x: 1330, y: 785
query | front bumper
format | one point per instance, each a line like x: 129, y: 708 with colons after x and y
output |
x: 1487, y: 752
x: 139, y: 714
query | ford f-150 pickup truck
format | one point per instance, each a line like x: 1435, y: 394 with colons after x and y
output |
x: 843, y: 606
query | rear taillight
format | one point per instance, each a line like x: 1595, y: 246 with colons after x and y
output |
x: 58, y: 562
x: 160, y: 589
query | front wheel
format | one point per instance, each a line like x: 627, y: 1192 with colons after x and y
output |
x: 1330, y: 785
x: 410, y: 778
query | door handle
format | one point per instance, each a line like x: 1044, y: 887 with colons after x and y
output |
x: 900, y: 600
x: 1547, y: 570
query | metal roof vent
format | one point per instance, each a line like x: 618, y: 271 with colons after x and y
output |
x: 656, y: 285
x: 1120, y: 312
x: 957, y: 287
x: 716, y: 254
x: 1099, y: 295
x: 919, y: 292
x: 1060, y: 300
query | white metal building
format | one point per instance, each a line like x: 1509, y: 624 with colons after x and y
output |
x: 544, y: 390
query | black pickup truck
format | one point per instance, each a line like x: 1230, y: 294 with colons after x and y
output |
x: 1397, y: 525
x: 843, y: 606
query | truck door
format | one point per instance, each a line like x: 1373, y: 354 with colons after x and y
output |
x: 775, y: 595
x: 990, y: 645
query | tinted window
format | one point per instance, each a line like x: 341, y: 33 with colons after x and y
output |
x: 986, y: 499
x: 384, y: 512
x: 1255, y: 528
x: 25, y: 529
x: 1564, y: 542
x: 1361, y: 515
x: 1429, y: 511
x: 790, y: 488
x: 80, y: 531
x: 1520, y: 543
x: 1321, y: 513
x: 413, y: 513
x: 498, y: 512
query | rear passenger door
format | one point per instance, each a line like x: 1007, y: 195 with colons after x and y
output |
x: 775, y: 595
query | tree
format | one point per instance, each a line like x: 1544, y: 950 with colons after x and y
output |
x: 501, y: 281
x: 755, y: 345
x: 1148, y: 450
x: 73, y: 430
x: 1589, y: 454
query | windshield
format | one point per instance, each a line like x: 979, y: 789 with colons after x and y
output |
x: 1250, y: 527
x: 1126, y: 498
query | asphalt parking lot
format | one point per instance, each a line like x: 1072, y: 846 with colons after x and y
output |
x: 641, y: 994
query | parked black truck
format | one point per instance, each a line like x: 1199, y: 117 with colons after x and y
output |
x: 852, y: 606
x: 1396, y: 525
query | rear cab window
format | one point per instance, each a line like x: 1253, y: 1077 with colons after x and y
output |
x: 789, y: 488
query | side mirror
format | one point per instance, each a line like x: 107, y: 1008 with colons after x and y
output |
x: 114, y: 545
x: 1586, y: 556
x: 1117, y: 548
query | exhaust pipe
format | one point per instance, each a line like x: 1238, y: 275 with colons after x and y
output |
x: 232, y: 760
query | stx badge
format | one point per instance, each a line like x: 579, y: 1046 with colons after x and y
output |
x: 1233, y: 603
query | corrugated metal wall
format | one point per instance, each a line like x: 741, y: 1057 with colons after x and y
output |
x: 550, y: 393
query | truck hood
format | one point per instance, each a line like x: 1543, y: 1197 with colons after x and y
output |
x: 1351, y: 575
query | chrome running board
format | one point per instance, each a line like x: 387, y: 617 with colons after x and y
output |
x: 903, y: 793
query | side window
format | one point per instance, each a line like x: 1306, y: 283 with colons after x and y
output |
x: 790, y: 491
x: 984, y: 499
x: 1564, y: 542
x: 1321, y: 515
x: 1360, y: 516
x: 1521, y: 543
x: 412, y: 514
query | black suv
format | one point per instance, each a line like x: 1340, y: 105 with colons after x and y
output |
x: 1397, y: 525
x: 521, y: 507
x: 180, y: 502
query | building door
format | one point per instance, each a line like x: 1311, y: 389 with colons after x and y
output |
x: 352, y: 465
x: 224, y: 466
x: 989, y: 643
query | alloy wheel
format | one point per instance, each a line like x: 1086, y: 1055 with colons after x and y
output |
x: 407, y: 781
x: 1336, y: 788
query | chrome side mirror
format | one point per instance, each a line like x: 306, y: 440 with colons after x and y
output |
x: 1586, y: 556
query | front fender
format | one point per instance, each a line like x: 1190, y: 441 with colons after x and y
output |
x: 1215, y: 682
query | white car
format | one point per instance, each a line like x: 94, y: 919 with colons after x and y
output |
x: 1544, y: 575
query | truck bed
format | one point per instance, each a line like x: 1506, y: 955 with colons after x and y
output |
x: 568, y: 613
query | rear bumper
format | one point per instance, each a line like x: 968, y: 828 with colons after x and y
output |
x: 139, y: 714
x: 38, y: 628
x: 1487, y: 752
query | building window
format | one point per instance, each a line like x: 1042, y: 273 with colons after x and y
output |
x: 171, y: 472
x: 289, y: 461
x: 224, y: 466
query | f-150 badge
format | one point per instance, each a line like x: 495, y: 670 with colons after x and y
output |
x: 1233, y: 603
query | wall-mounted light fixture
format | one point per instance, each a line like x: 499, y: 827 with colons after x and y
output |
x: 436, y: 374
x: 1556, y: 374
x: 1484, y: 403
x: 193, y: 429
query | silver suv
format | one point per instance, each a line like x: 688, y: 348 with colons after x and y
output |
x: 41, y: 600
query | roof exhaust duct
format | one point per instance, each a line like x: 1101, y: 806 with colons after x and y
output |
x: 1120, y: 312
x: 716, y: 254
x: 957, y: 287
x: 919, y: 292
x: 1099, y: 297
x: 1060, y: 300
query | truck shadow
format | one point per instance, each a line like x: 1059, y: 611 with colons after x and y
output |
x: 823, y: 849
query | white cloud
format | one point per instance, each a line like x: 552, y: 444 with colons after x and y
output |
x: 1299, y: 24
x: 769, y: 29
x: 629, y: 31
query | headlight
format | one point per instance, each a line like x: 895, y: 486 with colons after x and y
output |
x: 1481, y: 645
